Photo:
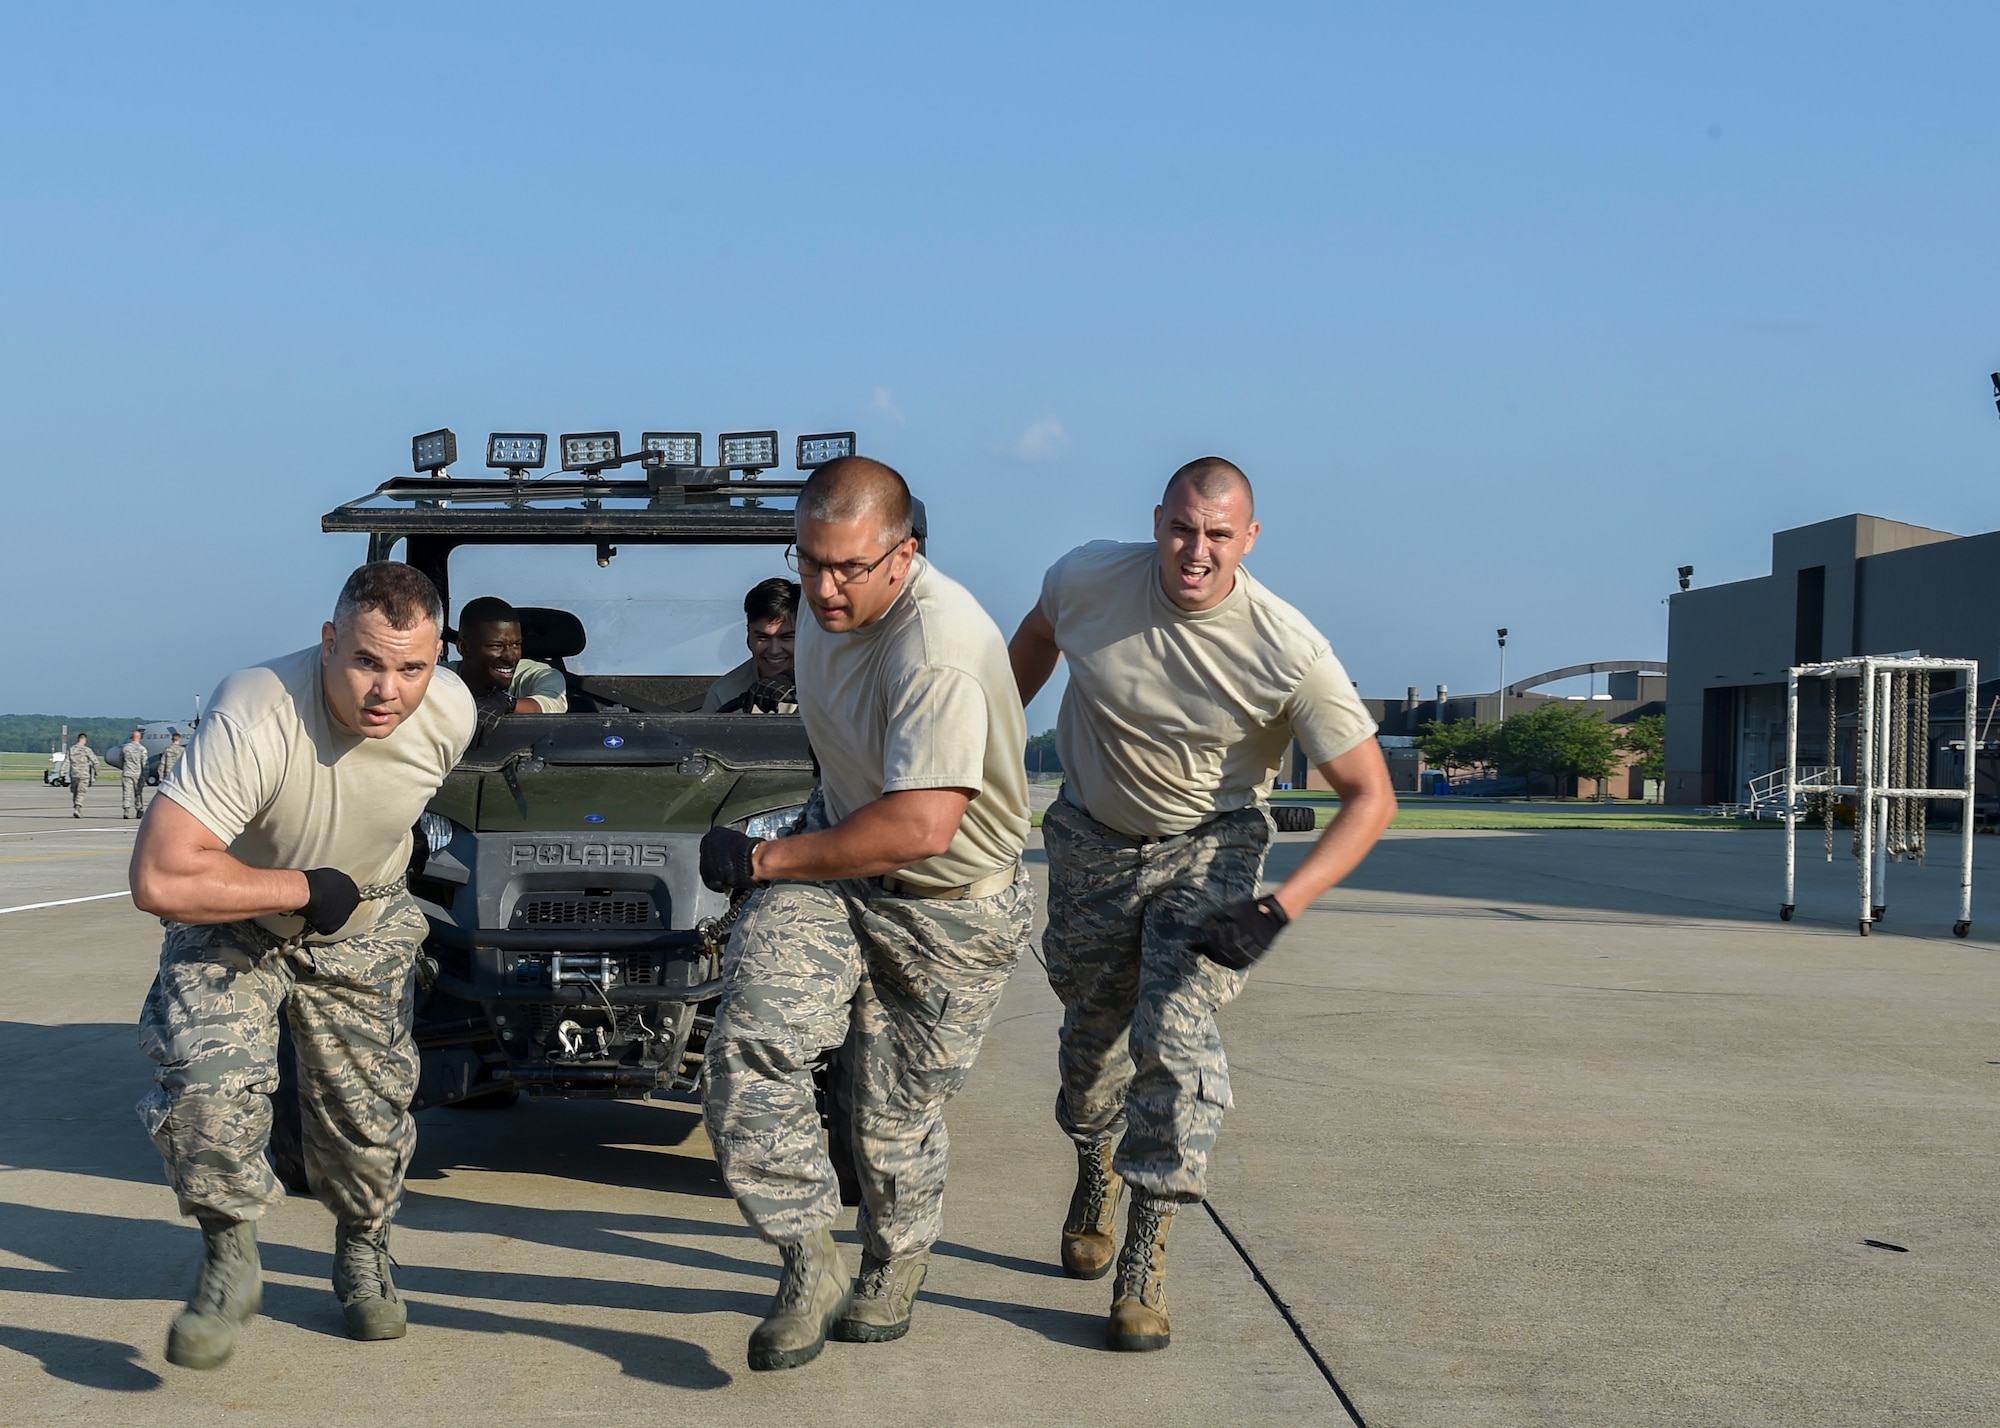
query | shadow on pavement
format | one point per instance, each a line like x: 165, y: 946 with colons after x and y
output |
x: 103, y: 1257
x: 89, y: 1363
x: 616, y: 1143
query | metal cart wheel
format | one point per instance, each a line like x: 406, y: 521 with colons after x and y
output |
x: 1961, y: 929
x: 1785, y: 912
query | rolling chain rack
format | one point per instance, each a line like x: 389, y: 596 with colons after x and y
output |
x: 1891, y: 767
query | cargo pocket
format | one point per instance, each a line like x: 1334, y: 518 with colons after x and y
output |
x: 1213, y: 1088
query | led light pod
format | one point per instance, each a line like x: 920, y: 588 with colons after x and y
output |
x: 673, y: 448
x: 589, y: 450
x: 517, y: 450
x: 433, y: 451
x: 827, y: 446
x: 747, y: 450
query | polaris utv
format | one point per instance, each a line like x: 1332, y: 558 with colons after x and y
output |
x: 573, y: 948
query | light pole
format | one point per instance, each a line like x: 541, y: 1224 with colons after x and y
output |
x: 1502, y: 633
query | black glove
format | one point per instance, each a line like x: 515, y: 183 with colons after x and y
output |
x: 764, y: 696
x: 491, y: 707
x: 727, y: 857
x: 333, y: 898
x: 1241, y: 933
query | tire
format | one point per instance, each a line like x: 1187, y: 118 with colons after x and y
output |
x: 1293, y: 818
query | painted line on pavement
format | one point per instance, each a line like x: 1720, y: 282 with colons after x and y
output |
x: 52, y: 832
x: 62, y: 902
x: 51, y: 857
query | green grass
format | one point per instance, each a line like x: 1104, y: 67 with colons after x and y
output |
x: 23, y: 766
x: 1576, y: 815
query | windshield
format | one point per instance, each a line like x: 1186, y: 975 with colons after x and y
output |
x: 660, y: 609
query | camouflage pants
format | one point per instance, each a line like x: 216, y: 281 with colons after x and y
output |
x: 1140, y: 1054
x: 77, y: 787
x: 132, y: 794
x: 211, y: 1023
x: 919, y: 978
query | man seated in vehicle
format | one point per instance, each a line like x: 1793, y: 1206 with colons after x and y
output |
x: 763, y: 683
x: 490, y: 662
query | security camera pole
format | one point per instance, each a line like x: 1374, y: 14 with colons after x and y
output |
x: 1502, y: 633
x: 275, y: 856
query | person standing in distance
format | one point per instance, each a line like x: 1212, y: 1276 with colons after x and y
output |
x: 132, y: 775
x: 275, y: 856
x: 1187, y: 679
x: 764, y: 683
x: 80, y: 769
x: 902, y: 907
x: 170, y: 755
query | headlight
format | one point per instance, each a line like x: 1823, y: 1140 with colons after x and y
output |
x: 775, y: 824
x: 437, y: 830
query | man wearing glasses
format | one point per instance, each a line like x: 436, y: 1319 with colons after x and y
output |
x: 900, y: 909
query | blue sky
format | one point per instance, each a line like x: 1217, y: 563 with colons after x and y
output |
x: 1508, y: 310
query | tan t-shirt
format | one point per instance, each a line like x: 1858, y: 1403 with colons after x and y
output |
x: 731, y: 686
x: 922, y: 698
x: 533, y: 680
x: 1171, y: 718
x: 272, y: 775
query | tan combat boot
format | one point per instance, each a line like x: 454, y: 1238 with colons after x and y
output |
x: 812, y: 1296
x: 1139, y: 1304
x: 368, y: 1298
x: 227, y: 1295
x: 1090, y: 1234
x: 885, y: 1294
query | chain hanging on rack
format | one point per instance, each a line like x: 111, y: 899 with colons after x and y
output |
x: 1920, y: 759
x: 1895, y: 842
x: 1827, y: 800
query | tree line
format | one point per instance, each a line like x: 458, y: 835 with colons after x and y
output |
x: 1558, y: 740
x: 39, y: 733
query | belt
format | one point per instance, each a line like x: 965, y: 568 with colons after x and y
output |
x: 896, y: 885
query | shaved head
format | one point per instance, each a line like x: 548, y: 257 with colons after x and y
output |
x: 855, y: 488
x: 1213, y: 478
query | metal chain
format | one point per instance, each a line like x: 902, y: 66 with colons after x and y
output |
x: 1895, y: 845
x: 1920, y: 759
x: 1832, y: 755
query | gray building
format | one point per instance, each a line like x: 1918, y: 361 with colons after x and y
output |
x: 1851, y: 586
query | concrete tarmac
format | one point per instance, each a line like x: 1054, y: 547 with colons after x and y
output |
x: 1530, y: 1128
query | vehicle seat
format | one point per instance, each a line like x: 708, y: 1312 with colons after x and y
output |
x: 553, y: 636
